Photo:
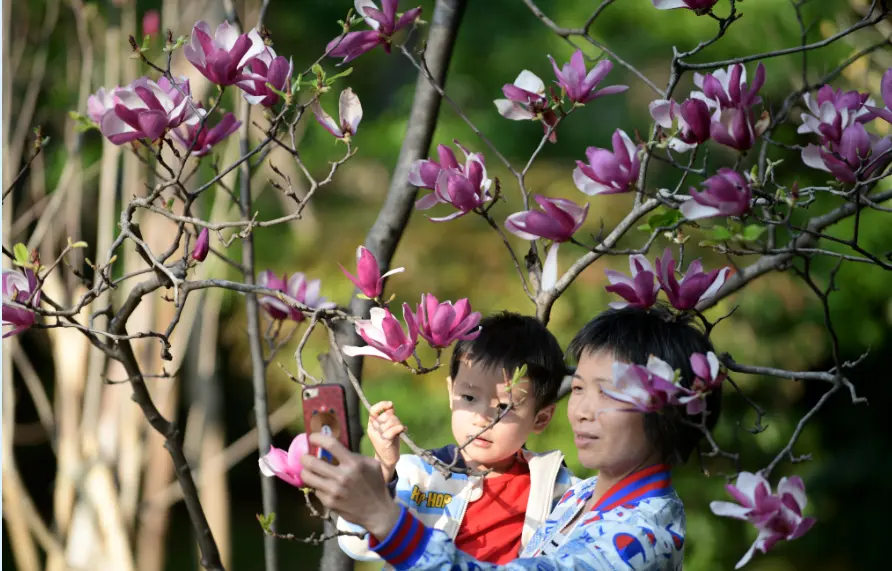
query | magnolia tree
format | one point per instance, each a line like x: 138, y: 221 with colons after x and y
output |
x: 744, y: 206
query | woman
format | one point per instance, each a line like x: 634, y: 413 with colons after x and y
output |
x: 628, y: 517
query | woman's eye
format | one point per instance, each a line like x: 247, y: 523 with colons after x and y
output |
x: 576, y: 388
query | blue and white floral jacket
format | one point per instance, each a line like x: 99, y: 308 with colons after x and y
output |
x: 638, y: 524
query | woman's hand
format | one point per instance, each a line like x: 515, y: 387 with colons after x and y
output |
x: 354, y: 488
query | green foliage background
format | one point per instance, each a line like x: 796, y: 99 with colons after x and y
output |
x: 777, y: 323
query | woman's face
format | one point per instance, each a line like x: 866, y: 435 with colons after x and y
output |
x: 608, y: 437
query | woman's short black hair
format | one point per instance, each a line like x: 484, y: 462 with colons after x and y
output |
x: 508, y: 341
x: 632, y: 335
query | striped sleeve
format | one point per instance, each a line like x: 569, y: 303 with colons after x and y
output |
x: 405, y: 544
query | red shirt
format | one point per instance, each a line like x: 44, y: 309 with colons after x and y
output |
x: 491, y: 528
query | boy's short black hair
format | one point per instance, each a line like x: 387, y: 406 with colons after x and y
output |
x: 632, y: 335
x: 508, y: 341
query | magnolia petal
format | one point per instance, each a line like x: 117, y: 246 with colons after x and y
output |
x: 514, y: 111
x: 550, y: 268
x: 729, y: 509
x: 530, y: 81
x: 350, y: 110
x: 353, y: 351
x: 693, y: 210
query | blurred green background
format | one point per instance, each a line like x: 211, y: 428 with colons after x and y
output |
x: 778, y: 322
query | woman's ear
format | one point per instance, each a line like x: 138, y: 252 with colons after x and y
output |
x: 543, y: 417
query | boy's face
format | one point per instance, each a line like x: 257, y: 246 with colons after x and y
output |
x: 478, y: 396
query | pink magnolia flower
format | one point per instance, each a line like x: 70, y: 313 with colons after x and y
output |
x: 777, y: 516
x: 832, y: 111
x: 606, y: 172
x: 698, y: 6
x: 18, y: 287
x: 151, y: 23
x: 464, y: 187
x: 737, y: 128
x: 385, y: 336
x: 202, y: 245
x: 726, y: 89
x: 266, y: 68
x: 581, y: 87
x: 100, y: 102
x: 146, y: 110
x: 640, y: 290
x: 693, y: 117
x: 886, y: 92
x: 441, y: 324
x: 709, y: 376
x: 368, y: 276
x: 384, y: 23
x: 695, y: 286
x: 425, y: 172
x: 647, y: 389
x: 297, y: 287
x: 560, y: 219
x: 349, y: 113
x: 223, y: 57
x: 204, y: 136
x: 286, y: 465
x: 859, y: 154
x: 526, y: 101
x: 726, y: 193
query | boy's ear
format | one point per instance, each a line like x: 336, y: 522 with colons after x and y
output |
x: 449, y: 385
x: 543, y: 417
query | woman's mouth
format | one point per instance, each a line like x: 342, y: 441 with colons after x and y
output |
x: 582, y: 439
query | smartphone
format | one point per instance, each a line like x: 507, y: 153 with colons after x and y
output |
x: 325, y: 410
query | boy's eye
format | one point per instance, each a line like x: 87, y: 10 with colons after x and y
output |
x: 503, y: 406
x: 468, y: 398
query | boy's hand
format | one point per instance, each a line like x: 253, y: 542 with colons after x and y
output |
x: 384, y: 430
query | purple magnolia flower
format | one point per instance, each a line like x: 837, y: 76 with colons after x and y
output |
x: 560, y: 219
x: 441, y: 324
x: 736, y: 128
x: 223, y: 57
x: 385, y: 336
x: 606, y: 172
x: 18, y: 287
x: 639, y: 290
x: 698, y: 6
x: 266, y: 68
x: 581, y: 87
x: 832, y: 111
x: 424, y: 173
x: 859, y: 154
x: 463, y: 186
x: 100, y: 102
x: 368, y: 276
x: 297, y: 287
x: 725, y: 89
x: 709, y: 376
x: 286, y: 465
x: 384, y: 24
x: 886, y: 92
x: 726, y: 193
x: 693, y: 118
x: 526, y: 101
x: 202, y: 138
x: 647, y: 389
x: 695, y: 286
x: 777, y: 516
x: 349, y: 114
x: 202, y: 245
x: 146, y: 110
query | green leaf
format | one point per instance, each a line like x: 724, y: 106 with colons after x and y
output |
x: 266, y: 521
x: 645, y: 228
x: 317, y: 70
x: 720, y: 233
x: 752, y: 232
x: 22, y: 255
x: 344, y: 73
x: 272, y: 88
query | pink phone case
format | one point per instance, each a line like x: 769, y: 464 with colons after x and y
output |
x: 325, y: 410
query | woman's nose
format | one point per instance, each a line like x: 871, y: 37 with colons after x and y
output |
x: 585, y: 407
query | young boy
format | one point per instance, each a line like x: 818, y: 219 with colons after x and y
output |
x: 490, y: 517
